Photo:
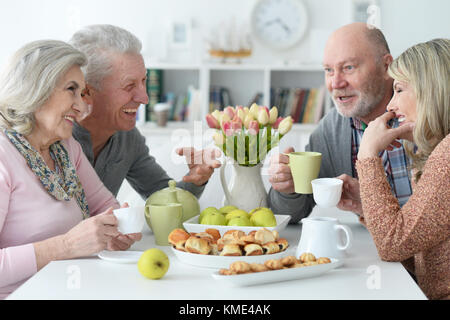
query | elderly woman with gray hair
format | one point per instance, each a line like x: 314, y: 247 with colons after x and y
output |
x: 53, y: 206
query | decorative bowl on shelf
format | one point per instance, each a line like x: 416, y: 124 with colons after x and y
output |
x: 230, y: 56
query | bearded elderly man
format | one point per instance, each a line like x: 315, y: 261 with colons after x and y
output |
x: 115, y: 88
x: 356, y: 60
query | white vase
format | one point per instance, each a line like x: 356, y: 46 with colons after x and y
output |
x: 246, y: 189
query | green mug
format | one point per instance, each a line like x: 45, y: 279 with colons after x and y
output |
x: 305, y: 167
x: 164, y: 218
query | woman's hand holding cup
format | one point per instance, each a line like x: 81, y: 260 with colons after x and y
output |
x: 91, y: 235
x: 124, y: 241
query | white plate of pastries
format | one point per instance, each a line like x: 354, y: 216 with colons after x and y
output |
x: 241, y: 273
x: 192, y: 225
x: 211, y: 250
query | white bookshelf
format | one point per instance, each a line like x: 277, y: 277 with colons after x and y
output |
x: 242, y: 80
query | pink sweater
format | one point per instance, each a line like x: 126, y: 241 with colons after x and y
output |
x: 29, y: 214
x: 418, y: 234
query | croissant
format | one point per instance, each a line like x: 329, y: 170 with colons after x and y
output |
x: 204, y: 235
x: 270, y: 247
x: 276, y: 234
x: 234, y: 234
x: 283, y: 244
x: 263, y: 236
x: 231, y: 250
x: 197, y: 245
x: 250, y: 238
x: 253, y: 249
x: 214, y: 249
x: 214, y: 232
x: 178, y: 238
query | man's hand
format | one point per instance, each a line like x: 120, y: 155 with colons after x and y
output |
x: 201, y: 164
x: 350, y: 198
x: 280, y: 173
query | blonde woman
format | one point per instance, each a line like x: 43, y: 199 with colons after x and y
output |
x: 418, y: 234
x: 52, y: 204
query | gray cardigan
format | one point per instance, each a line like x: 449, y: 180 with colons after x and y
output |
x: 332, y: 138
x: 126, y: 156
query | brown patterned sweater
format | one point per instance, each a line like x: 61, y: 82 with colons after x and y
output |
x: 419, y: 231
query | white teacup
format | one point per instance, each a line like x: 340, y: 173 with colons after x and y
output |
x: 327, y: 191
x: 320, y: 236
x: 131, y: 220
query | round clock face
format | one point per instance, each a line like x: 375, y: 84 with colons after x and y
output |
x: 279, y: 23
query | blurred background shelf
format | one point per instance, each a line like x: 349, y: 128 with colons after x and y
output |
x: 221, y: 85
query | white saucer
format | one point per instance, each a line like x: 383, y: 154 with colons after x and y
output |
x: 120, y: 256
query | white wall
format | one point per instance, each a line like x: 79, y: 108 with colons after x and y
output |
x: 407, y: 22
x: 404, y: 22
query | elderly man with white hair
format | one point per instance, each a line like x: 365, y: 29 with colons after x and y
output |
x: 116, y: 87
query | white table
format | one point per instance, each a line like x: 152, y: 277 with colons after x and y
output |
x: 363, y: 276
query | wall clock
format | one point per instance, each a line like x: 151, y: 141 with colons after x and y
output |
x: 279, y: 24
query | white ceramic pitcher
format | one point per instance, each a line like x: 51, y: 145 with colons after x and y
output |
x: 246, y: 189
x: 320, y: 236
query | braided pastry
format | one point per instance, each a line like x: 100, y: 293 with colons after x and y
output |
x: 288, y: 261
x: 273, y: 264
x: 258, y: 267
x: 240, y: 267
x: 305, y: 257
x: 323, y: 260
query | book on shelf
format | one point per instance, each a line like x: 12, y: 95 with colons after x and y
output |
x: 219, y: 98
x: 154, y: 90
x: 193, y: 108
x: 257, y: 98
x: 304, y: 105
x: 179, y: 103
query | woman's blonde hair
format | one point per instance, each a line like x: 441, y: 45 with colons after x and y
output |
x: 29, y: 79
x: 426, y: 67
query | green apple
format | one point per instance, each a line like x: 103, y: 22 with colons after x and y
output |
x: 242, y: 221
x: 206, y: 212
x: 263, y: 218
x: 260, y: 208
x: 227, y: 209
x: 153, y: 264
x: 236, y: 213
x: 214, y: 219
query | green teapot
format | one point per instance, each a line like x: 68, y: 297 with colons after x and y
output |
x: 173, y: 194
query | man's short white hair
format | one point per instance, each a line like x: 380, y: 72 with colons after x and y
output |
x: 99, y: 43
x: 30, y: 77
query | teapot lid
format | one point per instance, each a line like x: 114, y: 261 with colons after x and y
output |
x: 172, y: 185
